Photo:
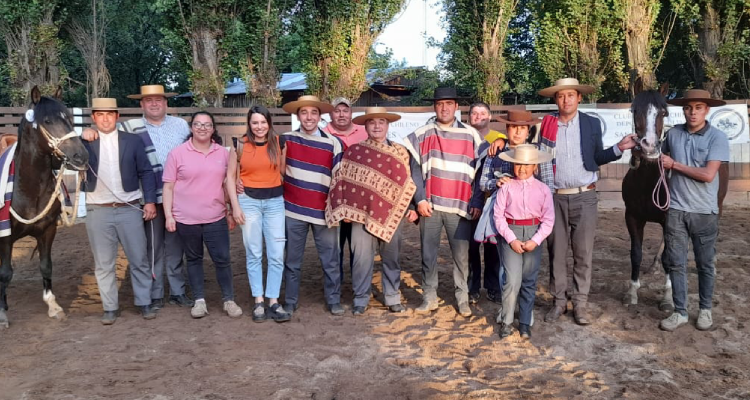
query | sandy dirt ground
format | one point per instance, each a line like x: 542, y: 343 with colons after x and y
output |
x: 622, y: 354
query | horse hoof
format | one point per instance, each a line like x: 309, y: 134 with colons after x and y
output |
x: 60, y: 316
x: 630, y: 300
x: 666, y: 306
x: 4, y: 323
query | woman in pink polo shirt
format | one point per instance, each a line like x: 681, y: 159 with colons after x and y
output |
x: 195, y: 207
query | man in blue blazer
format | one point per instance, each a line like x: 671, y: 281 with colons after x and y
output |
x: 119, y: 179
x: 575, y: 140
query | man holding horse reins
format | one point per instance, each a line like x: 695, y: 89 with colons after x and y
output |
x: 693, y: 152
x: 119, y: 176
x: 575, y: 141
x: 160, y: 134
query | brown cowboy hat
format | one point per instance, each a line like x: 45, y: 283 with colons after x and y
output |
x: 566, y: 83
x: 700, y: 95
x: 151, y: 90
x: 375, y: 112
x: 518, y: 117
x: 526, y: 154
x: 307, y: 101
x: 445, y: 93
x: 103, y: 104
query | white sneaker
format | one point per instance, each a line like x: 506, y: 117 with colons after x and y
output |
x: 199, y: 310
x: 232, y: 309
x: 705, y: 321
x: 673, y: 322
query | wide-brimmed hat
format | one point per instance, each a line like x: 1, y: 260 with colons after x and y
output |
x: 525, y: 154
x: 103, y: 104
x: 566, y: 83
x: 151, y: 90
x: 307, y: 101
x: 376, y: 112
x: 445, y: 93
x: 700, y: 95
x: 519, y: 117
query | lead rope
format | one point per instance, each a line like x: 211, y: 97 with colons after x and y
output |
x: 661, y: 182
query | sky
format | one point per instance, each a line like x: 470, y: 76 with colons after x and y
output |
x: 405, y: 35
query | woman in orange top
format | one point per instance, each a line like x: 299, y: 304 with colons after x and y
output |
x: 261, y: 212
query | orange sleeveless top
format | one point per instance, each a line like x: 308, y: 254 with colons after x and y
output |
x: 256, y: 169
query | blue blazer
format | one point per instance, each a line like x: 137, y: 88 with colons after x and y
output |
x: 134, y: 166
x: 592, y: 149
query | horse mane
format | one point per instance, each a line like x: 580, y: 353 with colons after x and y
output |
x: 640, y: 106
x: 47, y: 106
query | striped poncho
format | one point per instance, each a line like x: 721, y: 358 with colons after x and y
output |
x: 448, y: 158
x: 310, y: 161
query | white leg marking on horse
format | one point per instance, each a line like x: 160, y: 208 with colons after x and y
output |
x: 668, y: 283
x: 631, y: 297
x: 55, y: 311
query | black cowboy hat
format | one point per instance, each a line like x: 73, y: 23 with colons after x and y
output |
x: 445, y: 93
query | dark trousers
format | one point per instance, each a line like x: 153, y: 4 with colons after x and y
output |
x: 345, y: 234
x: 491, y: 265
x: 215, y: 236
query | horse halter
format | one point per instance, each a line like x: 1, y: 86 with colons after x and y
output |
x: 54, y: 142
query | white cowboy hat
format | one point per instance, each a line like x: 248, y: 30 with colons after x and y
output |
x: 151, y: 90
x: 526, y: 154
x: 376, y: 112
x: 103, y: 104
x: 307, y: 101
x: 566, y: 83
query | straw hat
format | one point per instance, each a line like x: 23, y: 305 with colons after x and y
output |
x: 376, y: 112
x: 103, y: 104
x: 151, y: 90
x: 526, y: 154
x: 445, y: 93
x: 307, y: 101
x: 700, y: 95
x: 566, y: 83
x: 518, y: 117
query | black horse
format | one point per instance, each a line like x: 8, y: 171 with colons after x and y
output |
x: 46, y: 142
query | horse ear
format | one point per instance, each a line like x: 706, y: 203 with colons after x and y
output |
x: 36, y: 95
x: 664, y: 89
x: 58, y: 93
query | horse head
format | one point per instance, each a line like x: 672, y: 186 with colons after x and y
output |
x: 649, y: 109
x: 50, y: 122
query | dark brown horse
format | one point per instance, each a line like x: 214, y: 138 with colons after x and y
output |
x: 639, y: 188
x: 46, y: 142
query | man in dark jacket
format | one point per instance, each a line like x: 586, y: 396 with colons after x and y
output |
x: 119, y: 177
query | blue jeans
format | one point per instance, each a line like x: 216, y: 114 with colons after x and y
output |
x: 701, y: 230
x: 215, y: 235
x: 264, y: 222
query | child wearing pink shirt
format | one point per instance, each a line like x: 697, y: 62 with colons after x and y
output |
x: 524, y: 217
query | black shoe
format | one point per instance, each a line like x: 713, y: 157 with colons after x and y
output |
x: 277, y: 313
x: 157, y: 304
x: 554, y: 313
x: 525, y: 331
x: 494, y: 297
x: 291, y: 308
x: 397, y: 308
x: 181, y: 300
x: 473, y: 298
x: 505, y: 331
x: 147, y: 312
x: 109, y: 317
x: 259, y: 312
x: 335, y: 309
x: 357, y: 310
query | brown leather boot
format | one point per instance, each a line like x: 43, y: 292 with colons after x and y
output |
x: 554, y: 313
x: 582, y: 315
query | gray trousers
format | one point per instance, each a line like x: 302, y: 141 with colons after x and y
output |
x: 106, y: 227
x: 521, y: 273
x: 327, y: 244
x: 364, y: 246
x: 458, y: 230
x: 167, y: 253
x: 575, y: 226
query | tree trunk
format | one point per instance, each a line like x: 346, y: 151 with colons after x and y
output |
x: 709, y: 41
x: 206, y: 77
x: 638, y: 17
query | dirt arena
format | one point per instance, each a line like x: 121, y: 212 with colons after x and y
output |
x: 381, y: 356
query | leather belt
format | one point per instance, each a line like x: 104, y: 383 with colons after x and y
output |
x: 523, y: 222
x: 116, y: 205
x: 576, y: 190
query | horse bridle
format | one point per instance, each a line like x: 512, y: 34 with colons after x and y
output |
x: 54, y: 142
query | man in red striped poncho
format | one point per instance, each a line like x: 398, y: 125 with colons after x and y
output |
x: 446, y: 152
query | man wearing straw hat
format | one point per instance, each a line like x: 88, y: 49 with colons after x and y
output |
x: 160, y: 134
x: 311, y: 157
x: 695, y: 152
x: 119, y: 176
x: 575, y: 141
x: 372, y: 189
x: 446, y: 152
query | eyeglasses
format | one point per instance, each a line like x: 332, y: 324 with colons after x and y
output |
x: 198, y: 125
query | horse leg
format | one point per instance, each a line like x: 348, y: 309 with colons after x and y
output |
x: 635, y: 230
x: 6, y: 274
x: 44, y: 241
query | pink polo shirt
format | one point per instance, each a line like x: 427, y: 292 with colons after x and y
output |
x: 524, y: 199
x: 198, y: 183
x: 358, y: 134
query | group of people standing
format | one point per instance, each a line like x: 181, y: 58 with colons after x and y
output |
x: 350, y: 183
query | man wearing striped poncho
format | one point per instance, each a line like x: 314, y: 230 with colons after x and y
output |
x: 446, y: 152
